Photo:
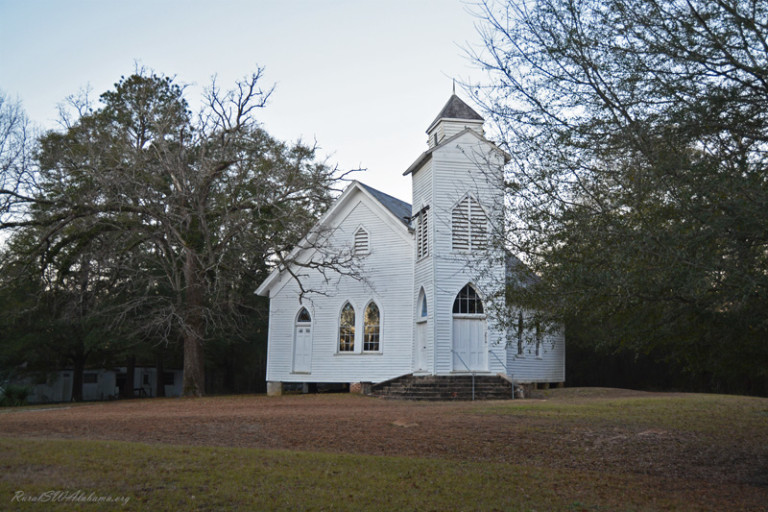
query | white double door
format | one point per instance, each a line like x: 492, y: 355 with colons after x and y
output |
x: 470, y: 345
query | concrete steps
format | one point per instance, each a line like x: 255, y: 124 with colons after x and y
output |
x: 458, y: 387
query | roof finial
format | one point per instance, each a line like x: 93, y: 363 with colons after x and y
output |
x: 454, y: 86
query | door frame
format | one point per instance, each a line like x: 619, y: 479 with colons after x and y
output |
x: 301, y: 325
x: 421, y: 346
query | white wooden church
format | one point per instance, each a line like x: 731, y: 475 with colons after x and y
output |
x: 419, y: 302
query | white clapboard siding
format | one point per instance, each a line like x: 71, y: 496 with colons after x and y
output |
x: 422, y: 278
x: 453, y: 178
x: 448, y: 128
x: 547, y: 366
x: 388, y: 272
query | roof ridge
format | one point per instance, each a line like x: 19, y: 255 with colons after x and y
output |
x: 371, y: 189
x: 397, y: 207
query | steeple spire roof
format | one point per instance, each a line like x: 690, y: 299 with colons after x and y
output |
x: 456, y: 109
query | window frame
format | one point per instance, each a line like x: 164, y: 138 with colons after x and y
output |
x: 478, y: 298
x: 520, y: 331
x: 340, y: 336
x: 378, y: 328
x: 539, y: 340
x: 422, y: 307
x: 299, y: 319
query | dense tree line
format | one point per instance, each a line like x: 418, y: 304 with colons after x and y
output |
x: 638, y: 187
x: 142, y: 224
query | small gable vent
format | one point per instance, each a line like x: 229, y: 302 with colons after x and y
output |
x: 361, y: 241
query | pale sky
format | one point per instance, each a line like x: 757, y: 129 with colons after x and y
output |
x: 363, y: 78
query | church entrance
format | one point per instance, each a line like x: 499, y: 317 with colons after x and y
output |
x: 302, y: 349
x: 470, y: 344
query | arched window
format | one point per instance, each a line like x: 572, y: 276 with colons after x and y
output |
x: 467, y: 302
x: 304, y: 316
x: 361, y: 241
x: 423, y: 312
x: 372, y: 328
x: 469, y: 226
x: 538, y: 339
x: 347, y: 328
x: 520, y: 333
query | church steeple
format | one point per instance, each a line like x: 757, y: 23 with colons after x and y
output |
x: 454, y: 117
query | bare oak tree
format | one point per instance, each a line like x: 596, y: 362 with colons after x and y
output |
x: 194, y: 209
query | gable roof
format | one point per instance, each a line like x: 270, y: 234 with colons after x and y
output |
x: 517, y: 273
x: 455, y: 108
x: 422, y: 159
x: 398, y: 208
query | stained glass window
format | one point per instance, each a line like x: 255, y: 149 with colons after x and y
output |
x: 372, y: 328
x: 347, y: 328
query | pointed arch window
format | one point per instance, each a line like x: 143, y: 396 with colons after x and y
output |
x: 423, y: 312
x: 538, y: 338
x: 372, y: 328
x: 469, y: 226
x: 520, y: 334
x: 468, y: 302
x: 304, y: 316
x: 347, y: 328
x: 361, y: 241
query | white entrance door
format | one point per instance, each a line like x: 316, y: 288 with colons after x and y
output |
x: 302, y: 350
x: 469, y: 345
x: 421, y: 346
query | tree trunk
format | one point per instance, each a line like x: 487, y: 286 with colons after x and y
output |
x: 130, y: 372
x: 194, y: 358
x: 159, y: 376
x: 77, y: 378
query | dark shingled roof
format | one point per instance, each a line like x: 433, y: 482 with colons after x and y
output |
x: 456, y: 109
x: 400, y: 209
x: 517, y: 273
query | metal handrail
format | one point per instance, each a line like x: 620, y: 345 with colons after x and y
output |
x: 467, y: 367
x: 506, y: 370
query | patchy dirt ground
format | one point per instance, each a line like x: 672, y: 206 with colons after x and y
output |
x: 727, y: 465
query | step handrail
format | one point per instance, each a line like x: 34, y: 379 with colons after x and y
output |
x: 494, y: 354
x: 506, y: 372
x: 467, y: 367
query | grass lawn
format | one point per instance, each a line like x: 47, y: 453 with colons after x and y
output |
x: 69, y: 474
x: 207, y: 478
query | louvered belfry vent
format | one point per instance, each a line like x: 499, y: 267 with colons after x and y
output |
x: 422, y: 232
x: 469, y: 223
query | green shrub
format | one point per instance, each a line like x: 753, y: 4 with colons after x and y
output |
x: 13, y: 395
